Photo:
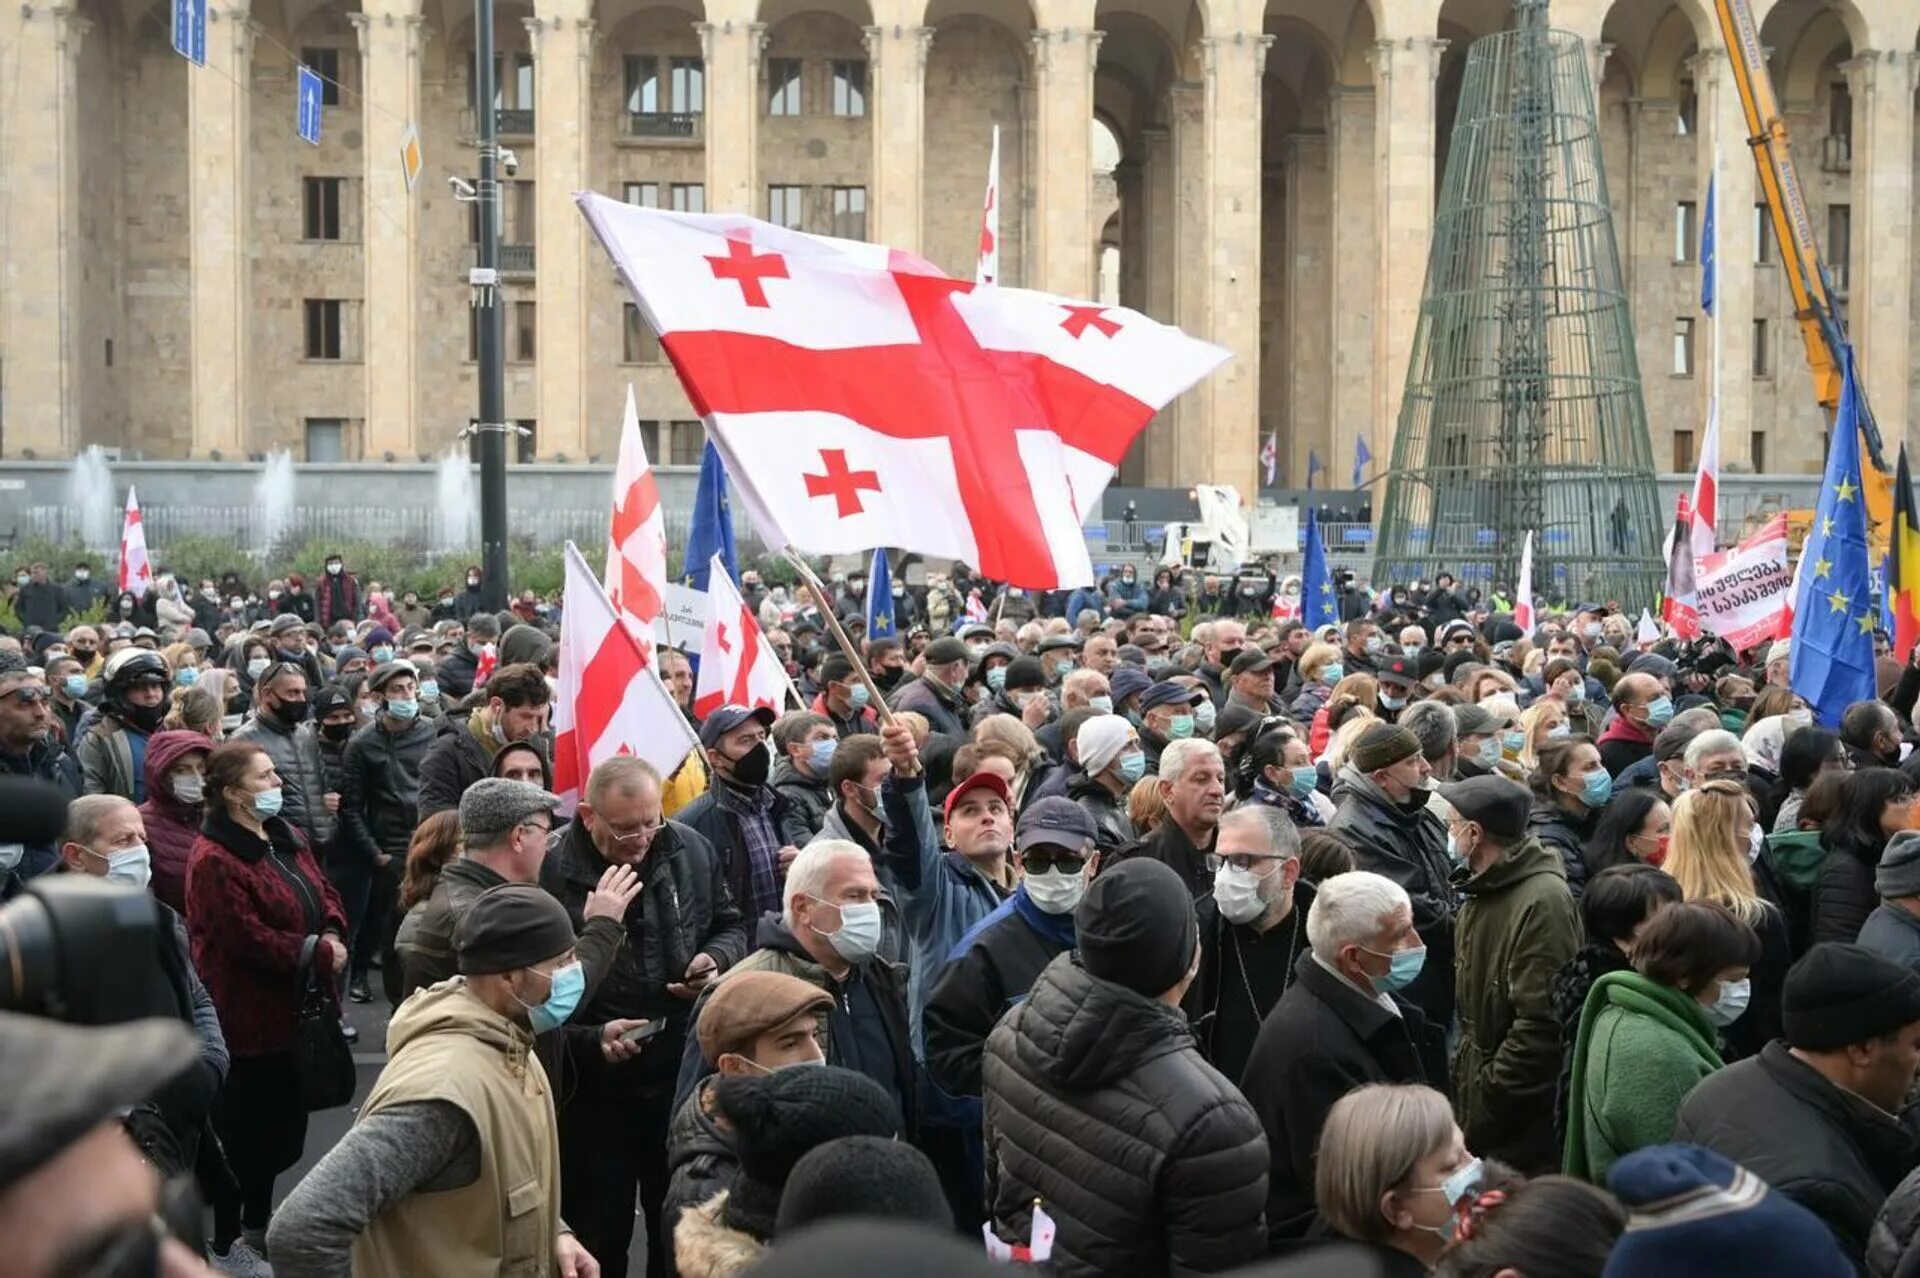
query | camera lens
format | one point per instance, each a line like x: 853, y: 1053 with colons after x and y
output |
x: 82, y: 950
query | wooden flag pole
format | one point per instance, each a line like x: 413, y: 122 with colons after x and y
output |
x: 819, y: 593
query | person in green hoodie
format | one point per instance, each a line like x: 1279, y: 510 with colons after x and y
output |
x: 1518, y: 927
x: 1647, y: 1036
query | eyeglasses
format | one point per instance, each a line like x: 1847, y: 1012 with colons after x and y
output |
x: 1045, y: 859
x: 638, y: 834
x: 27, y: 694
x: 1241, y: 860
x: 535, y: 825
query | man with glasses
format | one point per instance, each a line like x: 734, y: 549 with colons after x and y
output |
x: 680, y: 930
x: 999, y: 958
x: 28, y: 749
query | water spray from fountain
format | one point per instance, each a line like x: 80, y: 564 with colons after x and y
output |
x: 91, y: 498
x: 272, y: 503
x: 456, y: 520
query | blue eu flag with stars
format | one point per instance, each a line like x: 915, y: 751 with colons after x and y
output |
x: 712, y: 530
x: 1318, y: 604
x: 1836, y: 608
x: 880, y: 620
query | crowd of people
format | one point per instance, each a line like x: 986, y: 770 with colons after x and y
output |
x: 1131, y: 930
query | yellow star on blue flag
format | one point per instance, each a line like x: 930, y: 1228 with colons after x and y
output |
x: 1832, y: 665
x: 880, y: 597
x: 1316, y: 583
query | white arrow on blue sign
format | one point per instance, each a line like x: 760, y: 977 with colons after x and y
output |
x: 190, y: 30
x: 309, y: 106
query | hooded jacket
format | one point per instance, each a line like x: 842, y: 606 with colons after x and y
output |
x: 1517, y: 928
x: 459, y: 755
x: 1099, y: 1107
x: 1408, y: 844
x: 701, y: 1159
x: 1566, y: 834
x: 172, y: 826
x: 808, y: 798
x: 1112, y: 827
x: 43, y: 761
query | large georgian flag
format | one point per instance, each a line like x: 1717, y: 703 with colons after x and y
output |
x: 862, y: 399
x: 737, y: 665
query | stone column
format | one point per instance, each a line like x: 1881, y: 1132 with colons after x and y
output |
x: 1309, y: 302
x: 1353, y: 379
x: 1157, y: 237
x: 1404, y: 71
x: 1234, y: 64
x: 562, y: 38
x: 1881, y: 321
x: 1192, y: 275
x: 1725, y: 340
x: 40, y: 228
x: 1130, y: 183
x: 733, y: 49
x: 220, y: 288
x: 897, y: 96
x: 391, y: 33
x: 1063, y: 62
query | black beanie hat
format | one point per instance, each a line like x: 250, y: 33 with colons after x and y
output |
x: 779, y: 1117
x: 1024, y: 672
x: 1837, y: 995
x: 1135, y: 927
x: 863, y: 1176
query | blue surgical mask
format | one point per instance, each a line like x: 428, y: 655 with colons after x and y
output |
x: 1559, y: 731
x: 1182, y: 726
x: 1061, y: 669
x: 820, y: 754
x: 1102, y: 703
x: 1131, y: 767
x: 1393, y: 703
x: 403, y: 709
x: 429, y: 690
x: 1596, y: 788
x: 1659, y: 712
x: 1453, y: 850
x: 1404, y: 967
x: 382, y: 653
x: 1332, y: 674
x: 858, y: 696
x: 1303, y: 780
x: 1489, y: 753
x: 266, y: 803
x: 563, y: 998
x: 1203, y: 717
x: 76, y: 685
x: 997, y: 678
x: 1463, y: 1182
x: 186, y: 676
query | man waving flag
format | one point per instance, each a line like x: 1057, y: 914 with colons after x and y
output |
x: 862, y: 399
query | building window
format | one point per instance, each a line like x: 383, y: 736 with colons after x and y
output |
x: 650, y: 440
x: 638, y: 344
x: 1683, y: 347
x: 784, y: 205
x: 850, y: 88
x: 323, y: 328
x: 689, y: 197
x: 783, y: 86
x: 1759, y: 449
x: 687, y: 85
x: 322, y: 200
x: 1762, y: 353
x: 523, y: 332
x: 326, y: 439
x: 513, y: 88
x: 1686, y: 115
x: 519, y: 213
x: 645, y: 194
x: 643, y: 85
x: 1840, y: 111
x: 324, y: 63
x: 1839, y: 243
x: 1686, y: 230
x: 109, y: 352
x: 850, y: 212
x: 1683, y: 458
x: 526, y: 440
x: 1762, y: 236
x: 685, y: 442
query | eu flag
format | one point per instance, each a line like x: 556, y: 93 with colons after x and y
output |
x: 1313, y: 466
x: 1836, y: 611
x: 1709, y: 268
x: 712, y: 531
x: 880, y: 598
x: 1361, y: 456
x: 1318, y: 605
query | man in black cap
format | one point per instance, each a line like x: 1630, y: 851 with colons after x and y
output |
x: 753, y: 828
x: 1517, y: 928
x: 844, y: 698
x: 1813, y: 1114
x: 1021, y: 692
x: 1099, y: 1106
x: 1399, y: 679
x: 1250, y: 682
x: 937, y: 692
x: 1476, y: 742
x: 998, y: 959
x: 453, y: 1162
x: 380, y: 807
x: 73, y: 1188
x: 1167, y: 715
x: 1381, y: 811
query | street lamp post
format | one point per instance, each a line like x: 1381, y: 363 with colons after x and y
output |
x: 492, y: 426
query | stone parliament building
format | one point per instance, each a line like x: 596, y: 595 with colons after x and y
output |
x: 182, y: 277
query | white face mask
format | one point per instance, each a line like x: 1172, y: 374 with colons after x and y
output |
x: 1056, y: 891
x: 188, y: 788
x: 1732, y: 1003
x: 1236, y: 893
x: 859, y: 936
x: 129, y: 865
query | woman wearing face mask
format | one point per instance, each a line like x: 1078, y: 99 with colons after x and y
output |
x: 1807, y: 754
x: 1546, y: 1227
x: 1320, y: 669
x: 1543, y: 722
x: 1360, y: 691
x: 261, y: 915
x: 1111, y: 761
x: 1391, y: 1172
x: 1570, y: 789
x: 1286, y: 778
x: 1648, y: 1035
x: 176, y: 766
x: 1634, y: 829
x: 1711, y: 855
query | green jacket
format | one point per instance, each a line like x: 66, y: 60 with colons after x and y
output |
x: 1798, y: 856
x: 1641, y: 1048
x: 1518, y: 927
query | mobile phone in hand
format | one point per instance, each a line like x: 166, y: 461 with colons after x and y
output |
x: 641, y: 1033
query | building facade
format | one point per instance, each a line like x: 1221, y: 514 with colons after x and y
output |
x: 185, y: 278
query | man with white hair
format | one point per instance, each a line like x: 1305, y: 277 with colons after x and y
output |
x: 1335, y: 1029
x: 1193, y: 783
x: 1715, y: 755
x: 827, y: 933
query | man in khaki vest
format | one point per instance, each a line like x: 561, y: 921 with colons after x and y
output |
x: 453, y: 1168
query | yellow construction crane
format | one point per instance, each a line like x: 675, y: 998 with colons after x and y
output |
x: 1821, y: 326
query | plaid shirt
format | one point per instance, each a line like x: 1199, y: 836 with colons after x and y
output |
x: 753, y: 812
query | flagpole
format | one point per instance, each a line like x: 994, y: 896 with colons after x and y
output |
x: 819, y: 593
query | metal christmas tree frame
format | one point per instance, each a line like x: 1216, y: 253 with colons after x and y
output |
x: 1523, y: 409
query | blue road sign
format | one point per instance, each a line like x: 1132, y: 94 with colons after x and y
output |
x: 190, y: 30
x: 309, y: 106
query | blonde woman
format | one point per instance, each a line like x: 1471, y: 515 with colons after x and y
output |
x: 196, y: 709
x: 1357, y: 694
x: 1493, y: 683
x: 1146, y: 805
x: 1016, y: 740
x: 1320, y: 669
x: 184, y: 660
x: 1708, y: 855
x: 1543, y: 721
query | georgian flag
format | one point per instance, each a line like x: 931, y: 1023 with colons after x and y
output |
x: 738, y: 666
x: 862, y: 399
x: 636, y: 575
x: 136, y: 573
x: 1523, y: 590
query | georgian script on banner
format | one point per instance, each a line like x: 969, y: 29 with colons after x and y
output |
x: 1742, y: 594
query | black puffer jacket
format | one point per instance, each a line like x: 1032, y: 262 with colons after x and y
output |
x: 1566, y: 834
x: 380, y: 787
x: 808, y: 798
x: 701, y: 1160
x: 1099, y: 1106
x: 1845, y: 894
x: 1893, y: 1248
x: 1112, y: 827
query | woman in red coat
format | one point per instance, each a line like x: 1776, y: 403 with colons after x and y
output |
x: 176, y: 773
x: 257, y: 905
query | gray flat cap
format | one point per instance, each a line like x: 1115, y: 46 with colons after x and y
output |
x: 495, y: 805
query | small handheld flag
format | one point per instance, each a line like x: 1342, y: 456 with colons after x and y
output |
x: 881, y: 623
x: 1361, y: 456
x: 1318, y: 606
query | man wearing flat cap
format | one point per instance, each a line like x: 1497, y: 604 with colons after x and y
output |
x: 380, y: 805
x: 1381, y: 811
x: 1517, y: 928
x: 1813, y: 1114
x: 453, y: 1165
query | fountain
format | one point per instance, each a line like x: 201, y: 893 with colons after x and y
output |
x: 456, y: 503
x: 92, y: 499
x: 272, y: 503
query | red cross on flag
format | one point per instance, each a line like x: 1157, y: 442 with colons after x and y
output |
x: 737, y: 665
x: 862, y: 399
x: 636, y: 575
x: 611, y: 700
x: 136, y: 574
x: 1523, y: 590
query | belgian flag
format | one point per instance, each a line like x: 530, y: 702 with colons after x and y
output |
x: 1903, y: 564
